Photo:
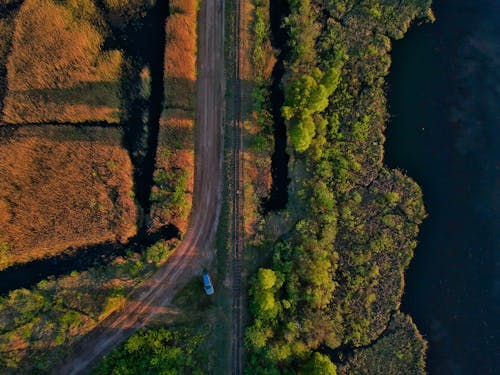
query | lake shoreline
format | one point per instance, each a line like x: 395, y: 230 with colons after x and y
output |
x: 446, y: 73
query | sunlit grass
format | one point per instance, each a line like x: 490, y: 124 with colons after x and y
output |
x: 57, y: 70
x: 61, y: 187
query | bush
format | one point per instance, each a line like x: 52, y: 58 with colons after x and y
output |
x: 400, y: 350
x: 156, y: 351
x: 158, y: 253
x: 319, y: 364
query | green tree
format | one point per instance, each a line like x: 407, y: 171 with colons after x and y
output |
x: 305, y: 97
x: 157, y: 253
x: 302, y: 132
x: 266, y: 278
x: 319, y: 364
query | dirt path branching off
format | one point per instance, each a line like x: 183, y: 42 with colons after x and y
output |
x: 196, y: 250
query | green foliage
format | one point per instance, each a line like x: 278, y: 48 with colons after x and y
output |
x: 169, y: 191
x: 26, y: 304
x: 262, y: 53
x: 302, y: 132
x: 305, y: 97
x: 319, y: 364
x: 303, y: 31
x: 263, y: 290
x: 260, y: 32
x: 266, y: 279
x: 339, y: 272
x: 44, y: 321
x: 156, y: 351
x: 158, y: 252
x: 400, y: 350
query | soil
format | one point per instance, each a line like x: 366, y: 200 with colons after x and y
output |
x: 196, y: 250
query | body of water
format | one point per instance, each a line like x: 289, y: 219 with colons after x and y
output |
x: 444, y: 96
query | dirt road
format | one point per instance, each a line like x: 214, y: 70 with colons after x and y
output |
x: 196, y: 250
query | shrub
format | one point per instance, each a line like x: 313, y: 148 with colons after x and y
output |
x: 156, y: 351
x: 158, y: 253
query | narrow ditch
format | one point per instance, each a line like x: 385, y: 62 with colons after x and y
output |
x: 279, y: 160
x: 145, y: 46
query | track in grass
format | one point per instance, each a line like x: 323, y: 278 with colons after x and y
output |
x: 238, y: 199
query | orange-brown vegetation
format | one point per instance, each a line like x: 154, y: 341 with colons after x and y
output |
x: 57, y: 70
x: 180, y: 54
x: 174, y: 175
x: 257, y: 163
x: 62, y: 187
x: 173, y: 189
x: 6, y: 31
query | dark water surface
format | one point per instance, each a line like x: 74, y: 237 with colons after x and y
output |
x: 278, y: 10
x: 444, y: 96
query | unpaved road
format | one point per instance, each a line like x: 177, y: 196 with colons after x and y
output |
x: 196, y: 250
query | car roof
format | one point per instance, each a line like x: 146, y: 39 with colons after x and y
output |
x: 206, y: 278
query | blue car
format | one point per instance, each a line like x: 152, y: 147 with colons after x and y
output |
x: 207, y: 284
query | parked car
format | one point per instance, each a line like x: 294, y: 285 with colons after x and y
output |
x: 207, y: 283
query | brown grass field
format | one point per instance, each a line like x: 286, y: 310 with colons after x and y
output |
x: 174, y: 174
x: 180, y: 55
x: 6, y: 31
x: 57, y: 70
x: 62, y: 187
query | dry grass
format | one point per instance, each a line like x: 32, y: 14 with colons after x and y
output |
x: 258, y: 140
x: 57, y: 71
x: 258, y: 180
x: 180, y: 54
x: 6, y: 31
x: 62, y: 187
x: 174, y: 174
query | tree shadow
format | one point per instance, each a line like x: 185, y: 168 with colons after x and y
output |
x: 93, y: 94
x: 79, y: 259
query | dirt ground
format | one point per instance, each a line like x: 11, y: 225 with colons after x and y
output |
x: 196, y: 250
